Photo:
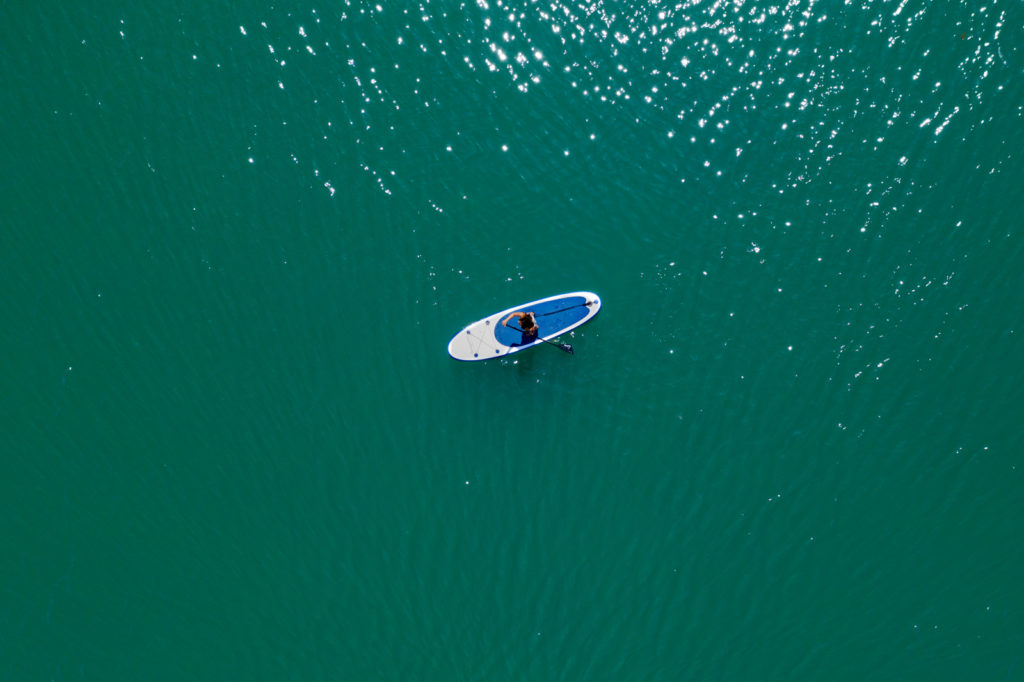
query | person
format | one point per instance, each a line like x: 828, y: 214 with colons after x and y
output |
x: 527, y: 324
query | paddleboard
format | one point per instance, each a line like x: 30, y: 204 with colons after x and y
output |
x: 488, y: 338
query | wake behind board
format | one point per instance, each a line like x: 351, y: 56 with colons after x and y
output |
x: 487, y: 338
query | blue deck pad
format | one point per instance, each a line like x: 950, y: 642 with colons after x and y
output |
x: 551, y: 316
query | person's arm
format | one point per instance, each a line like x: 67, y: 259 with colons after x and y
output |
x: 504, y: 323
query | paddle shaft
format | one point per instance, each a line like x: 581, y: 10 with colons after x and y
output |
x: 560, y: 346
x: 578, y: 305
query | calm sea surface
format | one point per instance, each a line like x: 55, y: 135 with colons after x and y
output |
x: 236, y: 238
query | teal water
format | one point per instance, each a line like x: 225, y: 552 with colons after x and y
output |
x: 237, y: 237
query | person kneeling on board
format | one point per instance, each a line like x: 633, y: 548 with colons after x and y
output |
x: 527, y: 325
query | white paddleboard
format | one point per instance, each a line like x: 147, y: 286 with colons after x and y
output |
x: 488, y: 338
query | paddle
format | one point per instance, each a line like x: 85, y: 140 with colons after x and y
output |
x: 560, y: 346
x: 578, y: 305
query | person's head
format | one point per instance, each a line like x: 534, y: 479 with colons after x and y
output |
x: 526, y: 320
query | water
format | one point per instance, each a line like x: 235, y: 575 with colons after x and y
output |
x: 236, y: 242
